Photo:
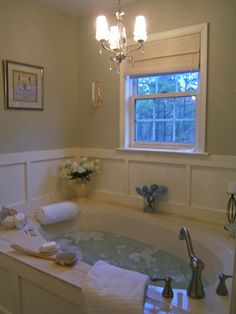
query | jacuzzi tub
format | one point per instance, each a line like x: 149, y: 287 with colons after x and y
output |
x: 211, y: 243
x: 161, y: 231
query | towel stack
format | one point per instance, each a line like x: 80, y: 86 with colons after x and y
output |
x: 108, y: 289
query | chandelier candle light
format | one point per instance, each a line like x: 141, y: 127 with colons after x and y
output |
x: 115, y: 40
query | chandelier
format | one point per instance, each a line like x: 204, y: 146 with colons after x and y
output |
x: 115, y: 40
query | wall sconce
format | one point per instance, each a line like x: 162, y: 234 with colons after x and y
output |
x: 97, y: 94
x: 231, y: 205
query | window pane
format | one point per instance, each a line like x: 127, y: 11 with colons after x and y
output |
x: 188, y: 82
x: 185, y: 107
x: 146, y: 85
x: 144, y: 109
x: 166, y: 119
x: 144, y: 132
x: 164, y: 108
x: 168, y: 83
x: 164, y: 131
x: 170, y: 119
x: 184, y: 132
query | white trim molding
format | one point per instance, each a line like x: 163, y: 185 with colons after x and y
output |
x: 126, y: 114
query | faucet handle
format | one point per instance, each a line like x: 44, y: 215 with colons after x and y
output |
x: 167, y: 291
x: 221, y: 288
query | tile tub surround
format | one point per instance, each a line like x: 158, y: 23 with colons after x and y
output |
x: 65, y: 281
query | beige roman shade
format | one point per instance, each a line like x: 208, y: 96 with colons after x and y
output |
x: 166, y: 55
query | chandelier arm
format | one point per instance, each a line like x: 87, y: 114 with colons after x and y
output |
x: 140, y: 45
x: 107, y: 48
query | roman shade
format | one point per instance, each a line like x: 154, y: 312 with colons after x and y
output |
x: 177, y: 54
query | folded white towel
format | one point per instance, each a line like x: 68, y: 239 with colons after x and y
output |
x: 56, y: 212
x: 111, y: 290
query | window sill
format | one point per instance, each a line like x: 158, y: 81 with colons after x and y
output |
x: 155, y: 150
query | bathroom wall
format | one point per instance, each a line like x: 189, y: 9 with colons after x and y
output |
x: 37, y: 34
x: 102, y: 127
x: 34, y: 144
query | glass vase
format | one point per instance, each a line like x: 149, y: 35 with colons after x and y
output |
x: 82, y: 189
x: 150, y: 204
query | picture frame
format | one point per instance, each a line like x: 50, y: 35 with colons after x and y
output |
x: 24, y: 86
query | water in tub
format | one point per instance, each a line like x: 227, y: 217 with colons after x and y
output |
x: 127, y: 253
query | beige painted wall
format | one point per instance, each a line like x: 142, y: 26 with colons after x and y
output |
x: 101, y: 129
x: 37, y: 34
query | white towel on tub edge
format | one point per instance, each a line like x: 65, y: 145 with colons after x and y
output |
x: 56, y: 212
x: 108, y: 289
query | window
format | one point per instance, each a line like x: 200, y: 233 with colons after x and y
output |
x: 164, y: 109
x: 165, y: 95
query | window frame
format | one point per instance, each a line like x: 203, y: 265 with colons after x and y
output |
x: 127, y: 108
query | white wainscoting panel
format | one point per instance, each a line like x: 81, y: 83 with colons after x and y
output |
x: 209, y: 187
x: 197, y: 184
x: 30, y: 179
x: 45, y: 179
x: 13, y: 183
x: 112, y: 176
x: 172, y: 176
x: 32, y: 296
x: 5, y: 290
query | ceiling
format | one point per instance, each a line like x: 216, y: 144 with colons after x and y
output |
x: 81, y: 8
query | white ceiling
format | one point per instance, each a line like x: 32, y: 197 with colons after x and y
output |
x: 80, y: 8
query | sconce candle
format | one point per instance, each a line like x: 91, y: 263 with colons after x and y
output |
x: 97, y: 94
x: 93, y: 92
x: 231, y: 188
x: 231, y: 206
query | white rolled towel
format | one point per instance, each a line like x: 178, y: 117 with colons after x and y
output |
x: 57, y: 212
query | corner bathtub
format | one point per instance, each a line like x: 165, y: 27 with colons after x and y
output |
x: 59, y: 287
x: 211, y: 243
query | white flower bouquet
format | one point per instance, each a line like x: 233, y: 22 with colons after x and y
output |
x: 80, y: 170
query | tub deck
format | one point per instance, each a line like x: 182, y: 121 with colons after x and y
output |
x: 24, y: 278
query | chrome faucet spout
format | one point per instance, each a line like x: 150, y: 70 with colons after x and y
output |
x: 185, y: 235
x: 195, y: 289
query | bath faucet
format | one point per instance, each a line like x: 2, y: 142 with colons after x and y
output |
x: 221, y: 288
x: 195, y: 289
x: 167, y: 291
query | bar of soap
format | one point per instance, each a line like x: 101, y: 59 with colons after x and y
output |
x: 48, y: 246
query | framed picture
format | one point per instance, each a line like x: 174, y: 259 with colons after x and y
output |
x: 23, y: 86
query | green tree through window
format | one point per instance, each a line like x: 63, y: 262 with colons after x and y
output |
x: 165, y: 108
